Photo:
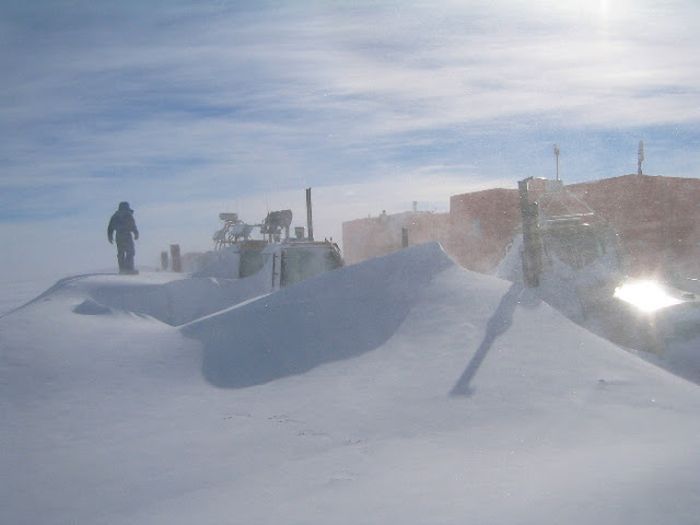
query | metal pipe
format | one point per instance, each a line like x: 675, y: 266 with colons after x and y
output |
x: 309, y: 216
x: 175, y: 259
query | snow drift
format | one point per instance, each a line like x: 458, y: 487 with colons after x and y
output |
x: 334, y: 316
x: 668, y: 337
x: 171, y: 298
x: 403, y: 389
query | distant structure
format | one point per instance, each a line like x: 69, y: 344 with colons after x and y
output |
x: 284, y: 260
x: 556, y: 154
x: 655, y: 217
x: 233, y: 230
x: 275, y: 223
x: 386, y: 233
x: 640, y: 157
x: 482, y: 225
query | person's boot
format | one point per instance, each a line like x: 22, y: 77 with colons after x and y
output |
x: 121, y: 262
x: 129, y: 265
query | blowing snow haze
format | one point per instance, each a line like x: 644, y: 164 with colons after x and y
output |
x: 402, y: 389
x: 272, y: 383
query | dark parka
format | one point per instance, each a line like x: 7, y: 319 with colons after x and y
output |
x: 123, y: 223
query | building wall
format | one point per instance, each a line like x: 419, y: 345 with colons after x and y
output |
x: 657, y: 219
x: 482, y: 224
x: 376, y: 236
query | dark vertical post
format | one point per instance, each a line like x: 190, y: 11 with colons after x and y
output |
x: 274, y: 268
x: 283, y: 268
x: 404, y: 237
x: 175, y: 257
x: 309, y: 215
x: 532, y: 243
x: 164, y: 260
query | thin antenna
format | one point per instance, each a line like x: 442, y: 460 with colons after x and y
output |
x: 556, y: 154
x: 640, y: 157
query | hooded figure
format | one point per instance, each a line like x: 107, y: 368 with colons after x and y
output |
x: 123, y: 223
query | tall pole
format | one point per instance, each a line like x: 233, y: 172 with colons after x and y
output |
x: 309, y: 216
x: 175, y: 259
x: 532, y: 242
x: 640, y: 157
x: 556, y: 154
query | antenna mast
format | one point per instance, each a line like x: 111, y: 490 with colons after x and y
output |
x: 556, y: 154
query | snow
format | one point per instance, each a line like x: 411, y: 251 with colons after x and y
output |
x: 662, y: 322
x: 171, y: 298
x: 14, y: 294
x: 328, y: 318
x: 222, y: 263
x: 403, y: 389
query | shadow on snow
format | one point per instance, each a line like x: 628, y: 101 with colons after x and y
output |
x: 334, y: 316
x: 498, y: 324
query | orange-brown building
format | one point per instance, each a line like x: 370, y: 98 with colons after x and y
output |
x: 482, y: 224
x: 375, y: 236
x: 656, y: 219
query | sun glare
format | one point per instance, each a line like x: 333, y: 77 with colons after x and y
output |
x: 648, y: 296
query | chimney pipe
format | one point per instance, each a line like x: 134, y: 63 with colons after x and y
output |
x: 309, y: 217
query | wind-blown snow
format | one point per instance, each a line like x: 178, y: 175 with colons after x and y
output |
x: 403, y: 389
x: 171, y: 298
x: 668, y: 337
x: 14, y: 294
x: 335, y: 316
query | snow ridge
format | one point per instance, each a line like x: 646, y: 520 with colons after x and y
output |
x: 333, y: 316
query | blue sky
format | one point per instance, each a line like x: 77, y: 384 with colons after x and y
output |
x: 190, y: 108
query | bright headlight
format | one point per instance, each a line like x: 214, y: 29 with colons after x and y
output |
x: 648, y: 296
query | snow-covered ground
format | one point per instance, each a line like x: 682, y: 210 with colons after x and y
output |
x: 400, y: 390
x: 14, y: 294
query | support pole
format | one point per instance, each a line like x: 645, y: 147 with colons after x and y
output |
x: 309, y: 215
x: 175, y: 258
x: 532, y: 243
x: 274, y: 269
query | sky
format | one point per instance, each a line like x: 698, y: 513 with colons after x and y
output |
x: 187, y: 109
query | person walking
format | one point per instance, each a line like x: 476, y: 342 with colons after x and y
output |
x: 123, y: 223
